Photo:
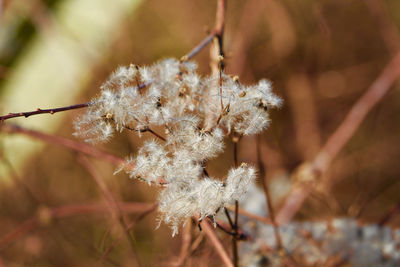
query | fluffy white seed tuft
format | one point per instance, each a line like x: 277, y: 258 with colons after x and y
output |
x: 196, y: 114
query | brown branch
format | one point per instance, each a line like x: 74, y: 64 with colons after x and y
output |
x: 143, y: 130
x: 217, y: 51
x: 67, y: 143
x: 236, y: 217
x: 113, y: 206
x: 156, y: 134
x: 70, y: 144
x: 42, y: 111
x: 198, y: 48
x: 288, y: 259
x: 185, y: 247
x: 67, y: 211
x: 27, y: 114
x: 219, y: 30
x: 118, y: 239
x: 217, y: 67
x: 251, y: 215
x: 239, y: 234
x: 392, y: 213
x: 357, y: 114
x: 271, y: 212
x: 229, y: 218
x: 220, y: 18
x: 341, y: 136
x: 387, y: 28
x: 212, y: 237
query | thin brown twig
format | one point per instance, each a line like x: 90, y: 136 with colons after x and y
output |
x: 288, y: 259
x: 251, y: 215
x: 70, y: 144
x: 27, y: 114
x: 156, y: 134
x: 42, y: 111
x: 228, y: 216
x: 271, y: 212
x: 186, y: 240
x: 239, y: 235
x: 388, y: 29
x: 236, y: 218
x: 357, y: 114
x: 199, y: 47
x: 234, y: 239
x: 371, y: 196
x: 31, y: 194
x: 196, y: 243
x: 219, y: 30
x: 118, y: 239
x: 212, y: 237
x: 217, y: 67
x: 67, y: 211
x: 112, y: 203
x: 388, y: 216
x: 143, y: 130
x: 378, y: 89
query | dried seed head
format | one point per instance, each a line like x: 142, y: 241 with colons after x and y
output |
x: 175, y: 98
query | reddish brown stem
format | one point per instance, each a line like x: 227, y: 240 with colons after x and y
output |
x: 393, y: 212
x: 212, y: 237
x: 67, y: 211
x: 118, y: 239
x: 185, y: 247
x: 251, y: 215
x: 113, y: 206
x: 342, y: 135
x: 219, y: 28
x: 42, y: 111
x: 156, y: 134
x: 27, y: 114
x: 199, y: 47
x: 70, y: 144
x: 271, y: 212
x: 388, y: 29
x: 357, y: 114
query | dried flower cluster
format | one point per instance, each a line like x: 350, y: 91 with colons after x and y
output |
x: 196, y: 113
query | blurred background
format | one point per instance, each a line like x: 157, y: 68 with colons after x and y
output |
x: 321, y: 56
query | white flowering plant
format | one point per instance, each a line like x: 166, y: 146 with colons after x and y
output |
x: 184, y: 123
x: 196, y: 113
